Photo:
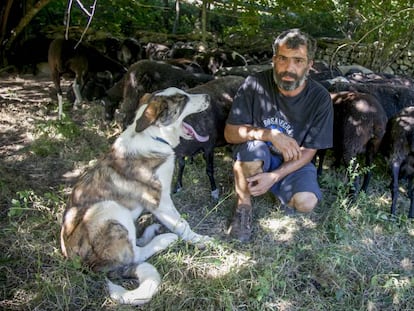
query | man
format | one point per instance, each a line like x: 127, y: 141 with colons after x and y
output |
x: 279, y: 119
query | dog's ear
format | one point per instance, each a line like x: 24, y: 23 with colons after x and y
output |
x: 144, y: 98
x: 149, y: 116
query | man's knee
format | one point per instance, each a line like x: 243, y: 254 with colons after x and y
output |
x: 247, y: 169
x: 304, y: 202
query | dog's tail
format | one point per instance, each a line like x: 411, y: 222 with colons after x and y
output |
x: 149, y: 280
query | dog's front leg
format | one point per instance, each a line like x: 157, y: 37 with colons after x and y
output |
x: 157, y: 244
x: 168, y: 215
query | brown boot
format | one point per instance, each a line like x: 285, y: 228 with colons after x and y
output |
x: 241, y: 225
x: 287, y: 210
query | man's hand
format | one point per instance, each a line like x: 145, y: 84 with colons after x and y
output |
x: 259, y: 184
x: 286, y: 145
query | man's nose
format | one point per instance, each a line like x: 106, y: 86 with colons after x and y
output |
x: 290, y: 63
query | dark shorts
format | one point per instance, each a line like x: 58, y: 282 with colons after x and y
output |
x: 302, y: 180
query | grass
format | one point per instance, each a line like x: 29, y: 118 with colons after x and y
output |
x: 343, y: 256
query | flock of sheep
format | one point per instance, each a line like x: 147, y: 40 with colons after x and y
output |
x: 373, y: 112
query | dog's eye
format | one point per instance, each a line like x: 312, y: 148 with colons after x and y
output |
x: 179, y: 97
x: 174, y: 107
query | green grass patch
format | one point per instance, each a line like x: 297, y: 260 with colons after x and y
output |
x: 346, y: 255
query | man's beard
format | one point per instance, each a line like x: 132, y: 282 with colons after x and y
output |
x: 289, y: 85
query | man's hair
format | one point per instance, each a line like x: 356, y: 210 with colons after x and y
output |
x: 293, y: 38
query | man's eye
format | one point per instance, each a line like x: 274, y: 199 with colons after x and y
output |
x: 296, y: 60
x: 281, y: 59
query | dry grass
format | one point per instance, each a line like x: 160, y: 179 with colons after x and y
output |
x: 343, y: 256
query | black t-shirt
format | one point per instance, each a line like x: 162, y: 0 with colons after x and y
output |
x: 307, y: 117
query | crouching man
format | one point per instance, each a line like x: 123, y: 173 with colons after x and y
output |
x: 279, y: 119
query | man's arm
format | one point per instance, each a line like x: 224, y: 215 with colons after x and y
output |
x: 290, y: 166
x: 237, y: 134
x: 262, y: 182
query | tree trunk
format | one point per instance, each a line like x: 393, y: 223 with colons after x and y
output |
x: 4, y: 17
x: 177, y: 16
x: 25, y: 21
x: 165, y: 14
x: 204, y: 21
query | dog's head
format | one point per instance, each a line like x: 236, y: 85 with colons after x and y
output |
x: 162, y: 114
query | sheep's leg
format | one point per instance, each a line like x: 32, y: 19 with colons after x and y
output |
x: 60, y: 105
x: 78, y: 95
x: 209, y: 159
x: 339, y: 156
x: 78, y: 85
x: 110, y: 107
x: 395, y: 171
x: 369, y: 159
x: 56, y: 81
x: 113, y: 98
x: 321, y: 154
x: 411, y: 196
x: 354, y: 189
x: 181, y: 166
x: 367, y: 178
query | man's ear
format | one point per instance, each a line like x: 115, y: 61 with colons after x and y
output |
x: 310, y: 64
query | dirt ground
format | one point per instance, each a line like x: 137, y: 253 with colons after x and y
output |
x: 24, y: 101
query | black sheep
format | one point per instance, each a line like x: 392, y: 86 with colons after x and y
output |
x: 210, y: 122
x: 147, y: 76
x: 359, y: 126
x: 399, y: 144
x: 392, y: 97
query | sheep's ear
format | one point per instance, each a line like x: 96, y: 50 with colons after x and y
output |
x: 150, y: 115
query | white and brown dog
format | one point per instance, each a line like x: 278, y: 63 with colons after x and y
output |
x: 99, y: 220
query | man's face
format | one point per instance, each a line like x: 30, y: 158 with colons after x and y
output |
x: 290, y: 67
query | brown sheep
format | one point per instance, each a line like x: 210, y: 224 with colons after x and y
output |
x: 83, y: 60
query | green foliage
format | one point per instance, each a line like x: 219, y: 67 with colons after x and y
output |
x: 386, y: 23
x: 20, y: 204
x: 248, y: 23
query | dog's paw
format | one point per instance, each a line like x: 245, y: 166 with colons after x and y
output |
x: 149, y: 234
x: 200, y: 241
x: 164, y: 240
x: 157, y: 244
x: 77, y: 104
x: 215, y: 194
x: 153, y: 229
